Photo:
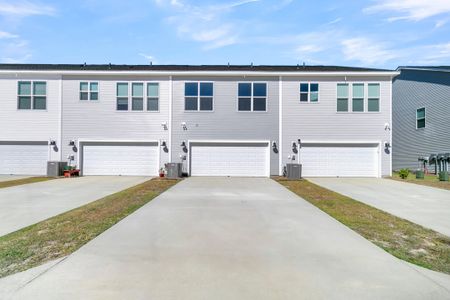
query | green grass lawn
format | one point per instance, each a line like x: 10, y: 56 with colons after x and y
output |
x: 401, y: 238
x: 429, y: 180
x: 9, y: 183
x: 63, y: 234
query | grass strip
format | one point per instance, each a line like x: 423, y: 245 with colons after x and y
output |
x: 10, y: 183
x: 403, y: 239
x: 61, y: 235
x: 429, y: 180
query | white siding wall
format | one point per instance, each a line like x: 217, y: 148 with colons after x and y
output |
x: 99, y: 120
x: 321, y: 121
x: 29, y: 125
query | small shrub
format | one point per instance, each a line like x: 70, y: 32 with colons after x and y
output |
x: 403, y: 173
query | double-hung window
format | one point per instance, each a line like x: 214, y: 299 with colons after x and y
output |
x: 358, y: 97
x: 252, y: 96
x: 122, y: 96
x: 32, y: 95
x: 88, y: 91
x: 198, y: 96
x: 373, y: 101
x: 309, y: 92
x: 342, y: 97
x: 137, y: 96
x: 152, y: 96
x: 420, y: 118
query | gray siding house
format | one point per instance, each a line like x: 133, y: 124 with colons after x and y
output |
x: 421, y: 114
x: 216, y: 120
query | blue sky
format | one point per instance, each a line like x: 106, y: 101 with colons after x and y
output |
x: 370, y: 33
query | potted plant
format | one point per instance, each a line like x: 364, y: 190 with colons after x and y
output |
x: 162, y: 172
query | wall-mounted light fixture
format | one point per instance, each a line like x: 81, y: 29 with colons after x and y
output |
x: 164, y: 125
x: 183, y: 144
x: 163, y: 144
x: 387, y: 126
x: 387, y: 145
x: 183, y: 125
x: 52, y: 142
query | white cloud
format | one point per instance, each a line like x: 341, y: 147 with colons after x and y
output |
x: 207, y: 24
x: 16, y: 60
x: 7, y: 35
x: 25, y: 8
x: 15, y: 51
x: 367, y: 51
x: 148, y: 58
x: 414, y: 10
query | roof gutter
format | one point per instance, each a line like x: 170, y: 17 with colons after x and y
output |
x: 200, y: 73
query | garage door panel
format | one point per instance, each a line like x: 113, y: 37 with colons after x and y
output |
x: 229, y: 160
x: 23, y: 159
x: 116, y: 159
x: 349, y: 161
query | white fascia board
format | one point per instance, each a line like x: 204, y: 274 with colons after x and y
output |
x: 201, y: 73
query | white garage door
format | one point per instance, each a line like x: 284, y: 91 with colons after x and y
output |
x: 120, y: 159
x: 340, y: 160
x: 230, y: 159
x: 21, y: 158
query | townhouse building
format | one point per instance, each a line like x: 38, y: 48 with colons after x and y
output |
x: 219, y: 120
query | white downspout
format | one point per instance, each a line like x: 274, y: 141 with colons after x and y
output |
x: 280, y: 126
x: 60, y: 133
x: 170, y: 116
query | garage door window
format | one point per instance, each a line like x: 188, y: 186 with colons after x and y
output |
x: 32, y: 95
x: 252, y: 97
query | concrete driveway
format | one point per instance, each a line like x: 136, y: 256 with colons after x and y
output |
x: 230, y: 238
x: 24, y: 205
x: 426, y: 206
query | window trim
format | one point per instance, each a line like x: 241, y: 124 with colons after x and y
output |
x: 32, y: 95
x: 89, y: 91
x: 252, y: 98
x: 424, y: 118
x: 309, y: 92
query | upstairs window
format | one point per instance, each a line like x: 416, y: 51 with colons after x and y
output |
x: 342, y: 97
x: 88, y: 91
x: 373, y: 101
x: 358, y: 97
x: 153, y: 96
x: 32, y: 95
x: 420, y: 118
x: 122, y: 96
x: 309, y: 92
x: 198, y: 96
x: 137, y: 96
x: 252, y: 97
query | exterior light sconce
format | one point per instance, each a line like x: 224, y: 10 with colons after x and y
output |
x: 164, y: 125
x: 184, y: 147
x: 163, y: 144
x: 387, y: 126
x: 387, y: 145
x: 184, y: 126
x: 294, y: 147
x: 52, y: 142
x: 274, y: 147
